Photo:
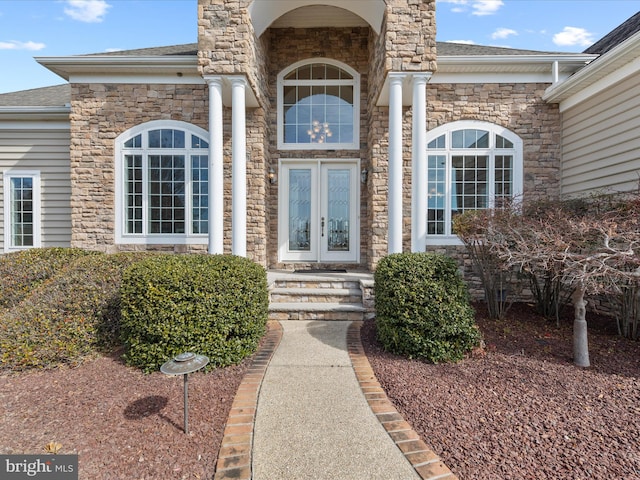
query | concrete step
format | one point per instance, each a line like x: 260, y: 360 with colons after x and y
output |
x: 310, y: 282
x: 316, y: 311
x: 316, y: 295
x: 324, y: 296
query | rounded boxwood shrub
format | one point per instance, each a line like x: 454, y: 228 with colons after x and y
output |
x: 213, y: 305
x: 71, y: 315
x: 422, y: 307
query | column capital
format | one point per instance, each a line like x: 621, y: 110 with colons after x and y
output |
x: 421, y: 78
x: 238, y: 80
x: 396, y: 76
x: 213, y: 79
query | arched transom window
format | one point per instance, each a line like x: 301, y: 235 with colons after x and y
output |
x: 470, y: 165
x: 318, y: 106
x: 162, y: 184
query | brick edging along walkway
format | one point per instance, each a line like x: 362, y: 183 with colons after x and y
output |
x: 425, y: 462
x: 234, y: 458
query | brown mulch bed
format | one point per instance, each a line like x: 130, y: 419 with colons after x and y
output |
x: 520, y: 409
x: 123, y: 424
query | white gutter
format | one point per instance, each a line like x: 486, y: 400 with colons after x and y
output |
x: 623, y: 54
x: 166, y: 64
x: 578, y: 59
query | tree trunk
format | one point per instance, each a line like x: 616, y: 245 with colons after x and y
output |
x: 580, y: 339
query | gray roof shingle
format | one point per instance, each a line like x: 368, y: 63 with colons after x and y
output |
x: 185, y: 49
x: 616, y: 36
x: 60, y: 95
x: 458, y: 49
x: 56, y: 96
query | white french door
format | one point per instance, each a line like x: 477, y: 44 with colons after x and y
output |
x: 318, y: 214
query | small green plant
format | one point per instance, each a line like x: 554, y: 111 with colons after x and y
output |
x: 422, y: 308
x: 211, y: 305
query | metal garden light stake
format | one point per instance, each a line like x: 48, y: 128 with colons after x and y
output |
x: 184, y: 364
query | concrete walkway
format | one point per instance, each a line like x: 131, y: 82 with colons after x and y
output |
x: 311, y: 408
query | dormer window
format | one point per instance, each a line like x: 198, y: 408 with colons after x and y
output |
x: 318, y: 106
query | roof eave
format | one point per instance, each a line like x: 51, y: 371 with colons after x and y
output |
x: 569, y: 62
x: 66, y: 67
x: 626, y: 52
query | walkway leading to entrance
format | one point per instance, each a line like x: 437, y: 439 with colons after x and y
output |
x: 313, y: 421
x: 320, y: 414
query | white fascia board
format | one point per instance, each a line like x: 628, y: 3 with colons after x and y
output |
x: 610, y: 68
x: 483, y: 77
x: 178, y: 66
x: 578, y: 59
x: 137, y: 78
x: 616, y: 76
x: 507, y: 68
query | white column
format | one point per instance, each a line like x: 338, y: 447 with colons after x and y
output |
x: 419, y: 164
x: 216, y: 170
x: 394, y: 198
x: 239, y: 167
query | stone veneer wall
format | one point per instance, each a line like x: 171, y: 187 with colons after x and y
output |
x: 287, y: 46
x: 407, y: 43
x: 99, y: 113
x: 518, y: 107
x: 227, y: 45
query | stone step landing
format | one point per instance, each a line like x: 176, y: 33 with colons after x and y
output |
x: 320, y: 296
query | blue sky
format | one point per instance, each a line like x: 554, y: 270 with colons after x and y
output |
x: 31, y: 28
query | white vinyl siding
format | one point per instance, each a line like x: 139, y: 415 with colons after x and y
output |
x: 45, y: 151
x: 601, y: 142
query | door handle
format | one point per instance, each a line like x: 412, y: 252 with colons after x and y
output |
x: 322, y: 227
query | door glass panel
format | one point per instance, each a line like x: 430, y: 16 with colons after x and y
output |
x: 299, y: 209
x: 338, y: 200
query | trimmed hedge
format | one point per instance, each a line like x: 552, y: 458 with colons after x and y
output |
x: 21, y: 272
x: 213, y: 305
x: 422, y: 308
x: 67, y: 317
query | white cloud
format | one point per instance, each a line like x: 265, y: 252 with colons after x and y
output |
x: 486, y: 7
x: 464, y: 42
x: 479, y: 7
x: 111, y: 50
x: 572, y: 36
x: 88, y: 11
x: 502, y: 33
x: 456, y: 9
x: 16, y: 45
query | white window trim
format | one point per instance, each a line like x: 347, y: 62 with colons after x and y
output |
x: 493, y: 129
x: 355, y: 82
x: 121, y: 237
x: 37, y: 219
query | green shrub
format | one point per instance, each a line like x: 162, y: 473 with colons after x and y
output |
x: 21, y: 272
x: 211, y: 305
x: 422, y: 308
x: 68, y: 316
